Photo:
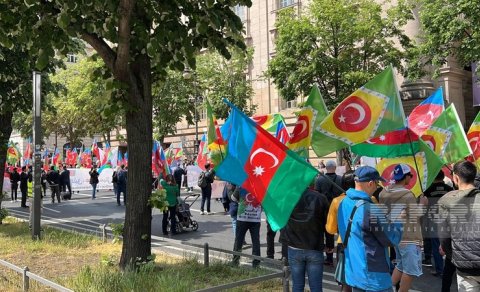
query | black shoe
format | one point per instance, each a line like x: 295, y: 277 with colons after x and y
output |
x: 427, y: 263
x: 165, y: 233
x: 118, y: 204
x: 437, y: 274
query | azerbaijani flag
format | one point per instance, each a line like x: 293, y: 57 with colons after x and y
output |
x: 473, y: 137
x: 269, y: 122
x: 392, y: 144
x: 309, y: 117
x: 370, y: 111
x: 282, y: 133
x: 259, y: 163
x: 447, y: 137
x: 424, y: 114
x: 27, y: 155
x: 13, y: 154
x: 428, y: 163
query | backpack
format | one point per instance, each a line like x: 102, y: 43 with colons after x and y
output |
x: 202, y: 180
x: 122, y: 177
x: 114, y: 177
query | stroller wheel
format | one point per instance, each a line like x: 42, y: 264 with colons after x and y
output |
x: 194, y: 225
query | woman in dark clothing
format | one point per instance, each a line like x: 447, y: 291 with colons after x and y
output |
x: 94, y: 180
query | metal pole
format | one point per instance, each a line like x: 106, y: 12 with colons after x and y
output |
x: 206, y: 256
x: 26, y: 283
x: 285, y: 279
x: 37, y: 169
x: 196, y: 128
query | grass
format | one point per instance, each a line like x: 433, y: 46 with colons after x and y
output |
x: 84, y: 263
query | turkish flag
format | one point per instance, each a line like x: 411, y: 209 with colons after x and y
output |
x: 261, y: 165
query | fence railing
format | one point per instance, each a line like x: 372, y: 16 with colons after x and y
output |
x: 27, y: 275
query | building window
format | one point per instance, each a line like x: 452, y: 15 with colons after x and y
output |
x: 285, y: 3
x: 240, y: 12
x: 71, y: 58
x: 202, y: 114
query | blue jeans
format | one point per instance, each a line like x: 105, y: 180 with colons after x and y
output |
x: 234, y: 224
x: 437, y: 258
x: 121, y: 189
x: 94, y: 190
x: 206, y: 196
x: 240, y: 232
x: 361, y: 290
x: 310, y: 261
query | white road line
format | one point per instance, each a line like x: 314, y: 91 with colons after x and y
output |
x: 52, y: 210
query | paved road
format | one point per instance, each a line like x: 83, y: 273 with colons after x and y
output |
x: 86, y: 215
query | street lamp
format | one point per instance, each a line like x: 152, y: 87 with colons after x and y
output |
x: 195, y: 100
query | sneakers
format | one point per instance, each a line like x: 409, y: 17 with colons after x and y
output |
x: 202, y: 213
x: 208, y: 213
x: 427, y: 263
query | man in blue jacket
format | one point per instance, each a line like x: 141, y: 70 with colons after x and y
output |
x: 366, y: 256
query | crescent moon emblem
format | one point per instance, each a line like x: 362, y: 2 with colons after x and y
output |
x: 432, y: 116
x: 360, y: 110
x: 369, y: 141
x: 304, y: 125
x: 430, y: 144
x: 474, y: 140
x: 261, y: 150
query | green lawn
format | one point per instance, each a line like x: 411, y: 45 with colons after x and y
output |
x: 84, y: 263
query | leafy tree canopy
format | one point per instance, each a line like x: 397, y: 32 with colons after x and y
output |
x: 338, y: 44
x: 450, y: 29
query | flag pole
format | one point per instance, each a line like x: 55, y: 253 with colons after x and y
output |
x: 414, y: 159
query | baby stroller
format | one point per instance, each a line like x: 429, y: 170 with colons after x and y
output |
x: 184, y: 216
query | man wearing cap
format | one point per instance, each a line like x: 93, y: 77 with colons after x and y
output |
x: 325, y: 184
x: 402, y: 204
x: 366, y: 257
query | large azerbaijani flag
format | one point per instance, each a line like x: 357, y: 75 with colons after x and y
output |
x: 309, y: 117
x: 370, y: 111
x: 259, y: 163
x: 473, y: 137
x: 447, y: 137
x: 427, y: 163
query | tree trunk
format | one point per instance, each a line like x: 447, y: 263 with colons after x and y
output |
x: 5, y: 132
x: 138, y: 214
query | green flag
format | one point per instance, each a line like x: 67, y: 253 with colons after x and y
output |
x: 309, y: 117
x: 447, y: 138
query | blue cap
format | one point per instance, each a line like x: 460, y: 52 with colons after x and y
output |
x: 400, y: 171
x: 367, y: 173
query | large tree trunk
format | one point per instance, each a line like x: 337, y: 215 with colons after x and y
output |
x: 5, y: 132
x: 138, y: 217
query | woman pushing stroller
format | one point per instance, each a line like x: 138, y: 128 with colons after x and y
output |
x: 171, y: 188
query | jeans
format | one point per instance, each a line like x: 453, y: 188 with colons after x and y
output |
x: 447, y: 277
x: 240, y: 232
x: 361, y: 290
x: 121, y: 189
x: 170, y: 214
x: 115, y: 190
x: 437, y: 258
x: 94, y: 190
x: 14, y: 191
x: 206, y: 196
x: 234, y: 224
x: 309, y: 261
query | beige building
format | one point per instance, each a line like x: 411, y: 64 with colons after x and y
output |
x: 259, y: 21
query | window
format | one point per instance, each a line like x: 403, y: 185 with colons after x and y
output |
x: 285, y: 3
x: 71, y: 58
x: 240, y: 12
x: 202, y: 114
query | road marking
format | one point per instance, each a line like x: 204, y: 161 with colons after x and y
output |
x: 52, y: 210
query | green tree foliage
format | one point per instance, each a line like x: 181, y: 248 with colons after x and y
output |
x: 215, y: 77
x: 450, y: 29
x: 220, y: 78
x: 138, y: 42
x: 338, y: 44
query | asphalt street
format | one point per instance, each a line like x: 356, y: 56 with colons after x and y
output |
x: 86, y: 215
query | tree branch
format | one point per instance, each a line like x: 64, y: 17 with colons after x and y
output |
x: 123, y: 49
x: 102, y: 48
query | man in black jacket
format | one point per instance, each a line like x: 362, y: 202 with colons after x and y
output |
x: 14, y: 179
x: 65, y: 182
x: 325, y: 184
x: 53, y: 179
x: 25, y: 177
x: 459, y: 211
x: 304, y: 235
